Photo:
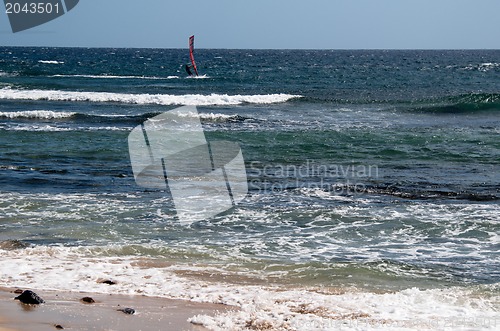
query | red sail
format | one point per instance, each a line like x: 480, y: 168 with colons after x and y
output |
x: 191, y: 54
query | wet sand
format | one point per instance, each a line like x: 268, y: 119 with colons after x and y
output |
x: 65, y: 309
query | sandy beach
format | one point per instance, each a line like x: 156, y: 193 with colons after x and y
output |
x: 64, y: 310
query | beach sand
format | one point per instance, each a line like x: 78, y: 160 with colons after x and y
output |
x: 66, y: 310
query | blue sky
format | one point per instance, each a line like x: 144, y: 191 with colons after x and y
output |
x: 313, y: 24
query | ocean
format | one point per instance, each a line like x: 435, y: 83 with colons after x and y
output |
x: 373, y: 184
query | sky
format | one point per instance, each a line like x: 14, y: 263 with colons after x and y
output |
x: 269, y: 24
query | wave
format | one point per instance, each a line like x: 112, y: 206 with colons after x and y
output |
x: 109, y: 120
x: 50, y: 62
x: 461, y: 103
x: 115, y: 77
x: 260, y: 306
x: 36, y: 114
x: 144, y: 99
x: 465, y: 103
x: 53, y: 128
x: 484, y: 67
x: 215, y: 117
x: 136, y: 119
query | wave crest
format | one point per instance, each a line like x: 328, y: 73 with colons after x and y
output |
x: 465, y: 103
x: 50, y: 62
x: 36, y: 114
x: 115, y: 77
x: 143, y: 99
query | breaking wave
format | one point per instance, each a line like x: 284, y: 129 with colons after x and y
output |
x: 50, y: 62
x: 143, y: 99
x: 116, y: 77
x: 36, y: 114
x: 259, y: 307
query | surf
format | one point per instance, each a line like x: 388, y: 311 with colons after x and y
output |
x: 213, y: 99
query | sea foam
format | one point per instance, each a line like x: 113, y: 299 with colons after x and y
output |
x: 143, y: 99
x: 115, y: 77
x: 36, y: 114
x: 269, y: 307
x: 50, y: 62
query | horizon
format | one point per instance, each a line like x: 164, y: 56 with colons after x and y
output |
x: 269, y: 49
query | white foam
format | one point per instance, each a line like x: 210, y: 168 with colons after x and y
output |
x: 260, y: 307
x: 54, y: 128
x: 38, y: 128
x: 206, y: 116
x: 411, y: 309
x: 198, y: 77
x: 484, y: 67
x: 42, y: 114
x: 158, y: 99
x: 116, y: 77
x: 50, y: 62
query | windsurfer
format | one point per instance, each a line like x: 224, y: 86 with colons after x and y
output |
x: 188, y: 69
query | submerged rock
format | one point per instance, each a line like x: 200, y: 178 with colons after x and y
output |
x: 128, y: 311
x: 30, y: 298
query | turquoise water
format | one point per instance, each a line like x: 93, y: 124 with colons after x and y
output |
x: 376, y: 169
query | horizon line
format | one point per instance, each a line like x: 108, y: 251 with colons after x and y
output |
x: 268, y: 49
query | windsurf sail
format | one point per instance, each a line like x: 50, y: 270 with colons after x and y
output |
x: 191, y: 55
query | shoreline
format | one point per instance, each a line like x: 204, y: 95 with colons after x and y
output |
x: 66, y: 310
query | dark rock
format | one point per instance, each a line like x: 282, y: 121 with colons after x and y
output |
x: 11, y: 245
x: 59, y: 326
x: 87, y: 300
x: 30, y: 298
x: 18, y: 291
x: 107, y: 281
x: 128, y: 311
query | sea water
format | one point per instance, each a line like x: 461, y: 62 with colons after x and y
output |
x: 374, y: 183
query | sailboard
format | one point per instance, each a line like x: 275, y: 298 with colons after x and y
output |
x: 191, y: 54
